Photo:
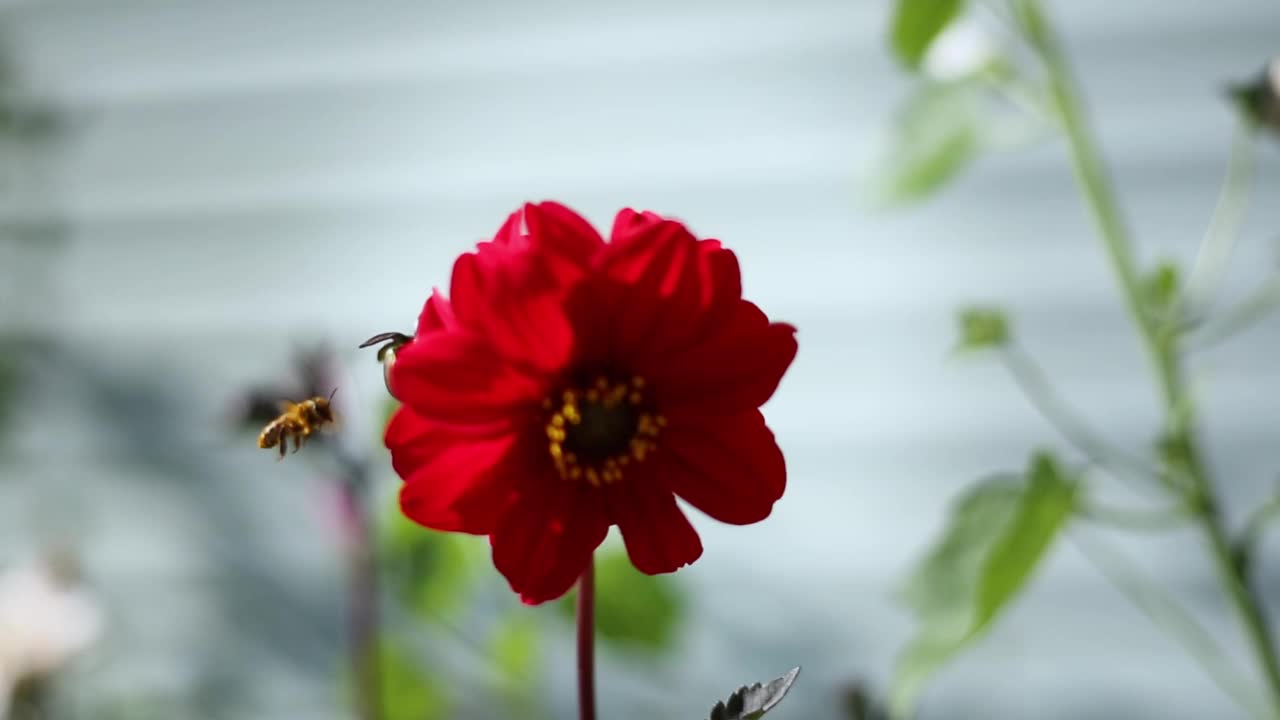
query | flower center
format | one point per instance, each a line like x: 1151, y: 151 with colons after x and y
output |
x: 598, y: 430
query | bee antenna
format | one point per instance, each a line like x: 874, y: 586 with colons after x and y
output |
x: 335, y: 392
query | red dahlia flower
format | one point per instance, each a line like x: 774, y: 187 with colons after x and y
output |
x: 570, y: 384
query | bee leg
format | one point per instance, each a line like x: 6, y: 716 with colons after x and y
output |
x: 284, y: 442
x: 297, y: 443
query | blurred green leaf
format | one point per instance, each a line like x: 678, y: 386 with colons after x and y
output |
x: 999, y: 533
x: 430, y: 571
x: 409, y: 691
x: 389, y: 407
x: 916, y: 23
x: 515, y: 646
x: 8, y: 375
x: 1049, y: 499
x: 634, y: 611
x: 858, y: 702
x: 750, y: 703
x: 982, y: 328
x: 935, y: 136
x: 1162, y: 286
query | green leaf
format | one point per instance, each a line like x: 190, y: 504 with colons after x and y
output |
x: 389, y: 407
x: 750, y: 703
x: 429, y: 571
x: 982, y: 328
x: 409, y: 692
x: 514, y: 647
x: 915, y: 25
x: 1049, y: 499
x: 936, y: 135
x: 10, y: 366
x: 634, y: 611
x: 1161, y: 287
x: 998, y: 534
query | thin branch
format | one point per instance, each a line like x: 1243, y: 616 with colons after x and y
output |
x: 1149, y: 520
x: 1035, y: 384
x: 1168, y: 615
x: 1224, y: 227
x: 1257, y: 307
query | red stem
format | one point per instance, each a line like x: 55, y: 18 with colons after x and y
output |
x: 586, y: 643
x: 362, y: 605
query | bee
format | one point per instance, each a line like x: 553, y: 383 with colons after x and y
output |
x: 298, y: 421
x: 397, y: 341
x: 387, y: 353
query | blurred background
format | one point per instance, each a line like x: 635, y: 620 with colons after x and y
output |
x: 194, y: 195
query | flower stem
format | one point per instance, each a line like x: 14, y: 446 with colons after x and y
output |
x: 586, y: 643
x: 362, y: 590
x: 1162, y: 343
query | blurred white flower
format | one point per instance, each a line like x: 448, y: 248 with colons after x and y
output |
x: 962, y: 49
x: 46, y: 620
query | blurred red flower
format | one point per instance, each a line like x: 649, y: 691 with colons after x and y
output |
x: 570, y: 384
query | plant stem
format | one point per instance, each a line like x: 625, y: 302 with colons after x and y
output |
x: 1036, y: 386
x: 362, y: 590
x: 586, y: 643
x: 1224, y: 228
x: 1162, y: 344
x: 1165, y: 519
x: 1166, y: 613
x: 1256, y: 307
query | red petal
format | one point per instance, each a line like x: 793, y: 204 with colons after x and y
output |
x: 545, y: 539
x: 512, y: 231
x: 737, y: 367
x: 455, y: 480
x: 456, y: 377
x: 658, y: 536
x: 437, y: 314
x: 727, y: 466
x: 629, y: 221
x: 564, y: 234
x: 662, y: 288
x: 511, y: 298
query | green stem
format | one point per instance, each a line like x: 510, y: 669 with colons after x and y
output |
x: 1224, y: 228
x: 1255, y: 527
x: 1256, y: 307
x: 1167, y: 614
x: 1035, y: 385
x: 1161, y: 344
x: 1164, y: 519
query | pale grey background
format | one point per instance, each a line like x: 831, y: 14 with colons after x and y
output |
x: 249, y: 175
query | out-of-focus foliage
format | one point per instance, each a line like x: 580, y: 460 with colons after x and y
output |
x: 858, y: 703
x: 409, y: 690
x: 982, y: 328
x: 749, y: 703
x: 998, y: 533
x: 935, y: 136
x: 1259, y: 100
x: 916, y: 23
x: 634, y: 611
x: 515, y: 648
x: 1161, y: 287
x: 430, y: 572
x: 8, y: 383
